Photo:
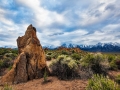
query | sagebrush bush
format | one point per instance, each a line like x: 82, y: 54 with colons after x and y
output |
x: 7, y: 87
x: 48, y: 57
x: 65, y: 52
x: 49, y: 53
x: 113, y: 65
x: 45, y: 76
x: 55, y: 55
x: 117, y: 79
x: 7, y: 56
x: 76, y: 56
x: 1, y: 63
x: 5, y: 63
x: 112, y: 61
x: 118, y: 63
x: 100, y: 82
x: 111, y: 58
x: 64, y: 67
x: 96, y: 62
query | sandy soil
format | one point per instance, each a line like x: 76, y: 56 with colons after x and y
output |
x: 113, y: 74
x: 56, y: 84
x: 53, y: 84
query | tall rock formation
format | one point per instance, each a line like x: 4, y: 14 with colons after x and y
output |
x: 30, y: 63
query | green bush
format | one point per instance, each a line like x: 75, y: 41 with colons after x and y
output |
x: 112, y: 61
x: 111, y: 58
x: 55, y: 55
x: 4, y: 50
x: 65, y: 52
x: 1, y: 63
x: 113, y: 65
x: 10, y: 55
x: 49, y: 53
x: 10, y: 67
x: 118, y: 63
x: 73, y: 51
x: 99, y: 82
x: 45, y: 76
x: 87, y: 60
x: 64, y: 67
x: 14, y: 51
x: 76, y: 56
x: 48, y: 58
x: 95, y: 62
x: 117, y: 79
x: 5, y: 63
x: 7, y: 87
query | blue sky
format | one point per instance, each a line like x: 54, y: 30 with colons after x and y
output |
x: 61, y: 21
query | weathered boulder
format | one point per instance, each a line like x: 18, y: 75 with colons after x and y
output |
x: 30, y: 63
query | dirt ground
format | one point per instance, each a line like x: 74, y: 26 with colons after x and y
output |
x: 53, y: 84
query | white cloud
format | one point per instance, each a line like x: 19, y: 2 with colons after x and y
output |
x: 42, y: 17
x: 74, y: 21
x: 3, y: 19
x: 105, y: 35
x: 111, y: 27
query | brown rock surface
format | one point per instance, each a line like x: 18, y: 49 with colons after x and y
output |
x: 30, y: 63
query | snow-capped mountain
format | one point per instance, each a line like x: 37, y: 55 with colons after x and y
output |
x: 50, y: 47
x: 99, y: 47
x: 68, y: 45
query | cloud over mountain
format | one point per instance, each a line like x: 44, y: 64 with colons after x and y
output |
x: 73, y: 21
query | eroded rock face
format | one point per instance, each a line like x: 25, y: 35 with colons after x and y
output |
x: 30, y: 63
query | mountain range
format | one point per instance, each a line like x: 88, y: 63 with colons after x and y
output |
x: 99, y: 47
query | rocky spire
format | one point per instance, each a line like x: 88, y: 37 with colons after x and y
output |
x: 30, y: 63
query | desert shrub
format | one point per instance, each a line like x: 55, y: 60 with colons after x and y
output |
x: 45, y: 76
x: 118, y: 63
x: 5, y: 63
x: 113, y: 65
x: 4, y: 50
x: 95, y: 62
x: 100, y: 82
x: 11, y: 55
x: 14, y: 51
x: 1, y: 51
x: 10, y: 67
x: 1, y: 63
x: 65, y: 52
x: 117, y: 79
x: 48, y: 58
x: 87, y: 60
x: 114, y: 61
x: 73, y: 51
x: 85, y: 72
x: 7, y: 87
x: 14, y: 55
x: 76, y: 56
x: 111, y: 58
x: 55, y: 55
x: 64, y: 67
x: 49, y: 53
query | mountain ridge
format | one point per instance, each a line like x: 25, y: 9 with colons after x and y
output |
x: 99, y: 47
